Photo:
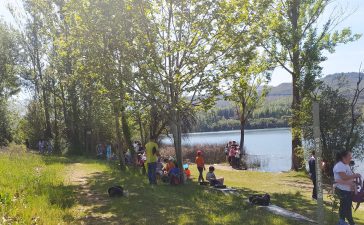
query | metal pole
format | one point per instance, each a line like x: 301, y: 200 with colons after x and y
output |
x: 318, y: 151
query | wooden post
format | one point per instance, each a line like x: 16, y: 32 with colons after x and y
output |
x: 318, y: 151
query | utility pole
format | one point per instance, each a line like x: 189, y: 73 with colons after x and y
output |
x: 318, y: 151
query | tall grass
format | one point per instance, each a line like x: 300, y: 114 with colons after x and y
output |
x: 31, y: 190
x: 212, y: 153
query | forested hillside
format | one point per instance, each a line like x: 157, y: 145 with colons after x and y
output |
x: 275, y: 112
x: 272, y: 114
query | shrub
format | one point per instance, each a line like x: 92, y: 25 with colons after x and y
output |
x: 212, y: 153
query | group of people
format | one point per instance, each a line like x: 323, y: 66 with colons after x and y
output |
x: 167, y: 170
x: 44, y: 147
x: 232, y: 152
x: 104, y: 151
x: 344, y: 184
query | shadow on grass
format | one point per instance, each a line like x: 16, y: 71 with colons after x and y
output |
x: 165, y: 204
x: 52, y: 159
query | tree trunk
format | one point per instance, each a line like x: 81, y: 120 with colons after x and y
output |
x: 296, y: 132
x: 56, y: 147
x: 242, y: 137
x: 141, y: 129
x: 177, y: 138
x: 119, y: 149
x: 126, y: 134
x: 296, y: 102
x: 48, y: 131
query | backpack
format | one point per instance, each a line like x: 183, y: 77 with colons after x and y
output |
x: 115, y: 191
x: 263, y: 200
x: 358, y: 195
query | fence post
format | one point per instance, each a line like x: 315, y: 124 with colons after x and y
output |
x: 318, y: 151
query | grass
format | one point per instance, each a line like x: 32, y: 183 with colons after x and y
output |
x: 32, y: 192
x: 41, y: 191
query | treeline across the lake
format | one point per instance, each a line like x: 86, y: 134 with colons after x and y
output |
x: 271, y: 114
x: 119, y: 70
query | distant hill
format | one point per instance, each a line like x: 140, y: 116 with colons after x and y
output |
x: 346, y: 81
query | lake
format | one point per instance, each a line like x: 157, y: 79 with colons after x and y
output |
x: 271, y: 147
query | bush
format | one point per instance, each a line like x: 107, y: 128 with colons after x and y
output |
x: 5, y: 128
x: 212, y: 153
x: 335, y: 125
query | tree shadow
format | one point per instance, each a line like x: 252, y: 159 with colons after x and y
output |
x: 184, y: 204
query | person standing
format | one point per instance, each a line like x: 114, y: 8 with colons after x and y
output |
x: 152, y: 154
x: 200, y: 162
x: 344, y: 185
x: 108, y: 152
x: 27, y: 145
x: 312, y: 170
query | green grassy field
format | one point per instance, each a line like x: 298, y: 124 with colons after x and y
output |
x: 50, y: 190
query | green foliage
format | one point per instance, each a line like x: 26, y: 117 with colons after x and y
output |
x: 271, y: 114
x: 335, y: 124
x: 9, y: 83
x: 5, y: 125
x: 296, y: 38
x: 9, y: 56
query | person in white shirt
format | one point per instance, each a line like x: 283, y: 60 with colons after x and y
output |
x: 344, y: 179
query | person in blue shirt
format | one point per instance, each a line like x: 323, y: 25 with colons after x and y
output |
x: 174, y: 176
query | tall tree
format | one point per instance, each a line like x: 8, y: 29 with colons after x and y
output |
x: 9, y: 80
x: 246, y: 68
x: 180, y: 42
x: 294, y: 38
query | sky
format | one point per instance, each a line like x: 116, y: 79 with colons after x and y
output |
x: 347, y: 58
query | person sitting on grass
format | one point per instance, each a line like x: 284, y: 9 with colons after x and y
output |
x: 210, y: 176
x: 169, y: 165
x: 187, y: 171
x: 159, y: 169
x: 174, y: 176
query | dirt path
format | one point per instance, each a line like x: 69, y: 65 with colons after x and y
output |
x: 90, y: 202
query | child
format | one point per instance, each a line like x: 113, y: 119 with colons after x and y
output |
x: 169, y: 165
x: 210, y: 176
x: 200, y: 162
x: 187, y: 171
x: 174, y: 176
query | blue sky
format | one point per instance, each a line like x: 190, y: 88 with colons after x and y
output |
x: 347, y: 58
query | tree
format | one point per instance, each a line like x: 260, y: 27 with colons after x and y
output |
x: 341, y: 121
x: 9, y: 82
x: 292, y: 37
x: 179, y: 40
x: 249, y: 87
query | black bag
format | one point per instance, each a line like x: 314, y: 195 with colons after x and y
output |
x: 204, y: 183
x: 115, y: 191
x: 263, y: 200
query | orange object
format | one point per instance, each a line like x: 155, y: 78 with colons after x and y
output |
x: 169, y: 166
x: 188, y: 173
x: 200, y: 161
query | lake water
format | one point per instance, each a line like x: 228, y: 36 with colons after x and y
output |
x: 271, y: 147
